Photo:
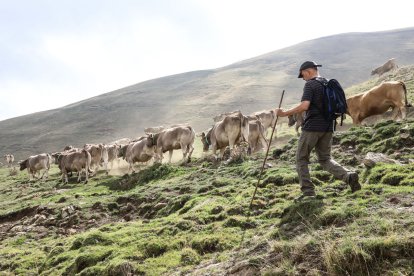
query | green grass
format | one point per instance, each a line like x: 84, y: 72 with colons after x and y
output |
x: 183, y: 218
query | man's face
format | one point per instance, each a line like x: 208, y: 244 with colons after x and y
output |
x: 307, y: 74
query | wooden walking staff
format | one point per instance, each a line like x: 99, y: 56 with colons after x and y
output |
x: 262, y: 169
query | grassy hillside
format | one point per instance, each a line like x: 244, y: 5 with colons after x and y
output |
x: 190, y: 219
x: 195, y: 97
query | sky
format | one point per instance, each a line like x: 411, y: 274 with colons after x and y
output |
x: 56, y: 52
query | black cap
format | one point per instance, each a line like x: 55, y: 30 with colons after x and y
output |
x: 307, y: 65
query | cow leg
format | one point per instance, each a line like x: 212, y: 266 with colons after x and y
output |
x: 66, y: 177
x: 86, y: 176
x: 170, y: 155
x: 29, y: 173
x: 184, y: 148
x: 263, y: 142
x: 190, y: 149
x: 43, y: 173
x: 79, y: 176
x: 221, y: 153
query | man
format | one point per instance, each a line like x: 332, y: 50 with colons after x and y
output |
x: 316, y: 134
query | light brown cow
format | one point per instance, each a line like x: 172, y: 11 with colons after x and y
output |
x: 391, y: 94
x: 229, y: 131
x: 77, y: 161
x: 268, y: 119
x: 140, y: 151
x: 9, y: 158
x: 388, y: 66
x: 296, y: 119
x: 97, y: 152
x: 113, y: 152
x: 256, y: 134
x: 34, y: 164
x: 181, y: 137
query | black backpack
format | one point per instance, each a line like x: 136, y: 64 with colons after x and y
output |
x: 334, y: 101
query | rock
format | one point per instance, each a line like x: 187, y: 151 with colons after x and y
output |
x: 97, y: 206
x: 159, y: 206
x: 128, y: 208
x: 372, y: 158
x: 61, y: 200
x: 268, y: 165
x: 71, y: 231
x: 394, y: 200
x: 68, y: 210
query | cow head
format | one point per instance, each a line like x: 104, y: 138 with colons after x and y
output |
x: 56, y: 156
x: 122, y: 151
x: 152, y: 140
x: 292, y: 120
x: 244, y: 128
x: 24, y: 164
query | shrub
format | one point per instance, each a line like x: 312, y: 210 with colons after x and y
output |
x: 393, y: 178
x: 154, y: 248
x: 209, y: 244
x: 189, y: 257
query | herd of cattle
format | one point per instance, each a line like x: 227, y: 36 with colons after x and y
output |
x: 229, y: 130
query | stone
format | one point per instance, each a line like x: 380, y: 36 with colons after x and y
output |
x: 372, y: 158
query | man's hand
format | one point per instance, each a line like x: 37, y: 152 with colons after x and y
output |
x: 280, y: 112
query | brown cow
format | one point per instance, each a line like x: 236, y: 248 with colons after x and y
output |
x: 74, y: 162
x: 181, y: 137
x: 228, y: 132
x: 388, y: 66
x: 9, y: 158
x: 113, y: 152
x: 256, y: 134
x: 391, y: 94
x: 140, y: 151
x: 98, y: 152
x: 36, y: 163
x: 268, y: 119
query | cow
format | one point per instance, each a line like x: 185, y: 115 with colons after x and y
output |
x: 227, y: 132
x: 35, y: 164
x: 140, y: 151
x: 181, y: 137
x: 97, y: 152
x: 296, y: 119
x: 388, y: 66
x: 256, y: 134
x: 268, y: 119
x: 74, y: 162
x: 9, y: 158
x: 391, y: 94
x: 153, y: 130
x: 112, y: 155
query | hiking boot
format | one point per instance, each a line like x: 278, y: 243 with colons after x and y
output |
x: 352, y: 181
x: 305, y: 196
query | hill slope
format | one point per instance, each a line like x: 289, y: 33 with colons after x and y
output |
x: 195, y: 97
x: 190, y: 219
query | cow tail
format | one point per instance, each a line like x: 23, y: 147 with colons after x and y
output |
x: 88, y: 161
x: 261, y: 132
x: 49, y: 160
x: 407, y: 104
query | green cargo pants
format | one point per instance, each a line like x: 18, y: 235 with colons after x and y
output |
x: 321, y: 142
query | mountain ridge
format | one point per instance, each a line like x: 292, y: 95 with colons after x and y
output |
x: 195, y: 97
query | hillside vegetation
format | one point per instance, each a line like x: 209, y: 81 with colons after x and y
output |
x: 195, y: 97
x: 191, y: 218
